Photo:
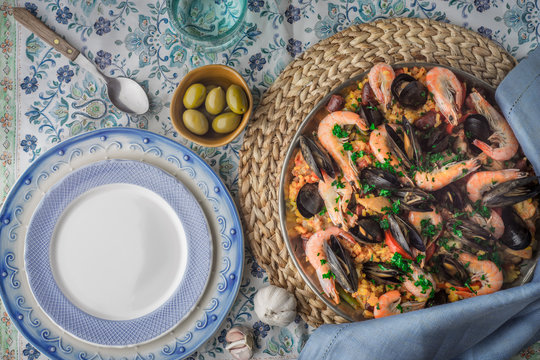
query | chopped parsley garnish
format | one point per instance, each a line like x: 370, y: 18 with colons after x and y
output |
x: 399, y: 308
x: 337, y: 199
x: 356, y: 155
x: 455, y: 230
x: 329, y: 275
x: 338, y: 184
x: 383, y: 223
x: 428, y: 230
x: 385, y: 193
x: 424, y: 283
x: 323, y: 211
x: 367, y: 188
x: 419, y: 258
x: 339, y: 132
x: 401, y: 263
x: 372, y: 126
x: 323, y: 261
x: 347, y: 146
x: 350, y: 213
x: 481, y: 209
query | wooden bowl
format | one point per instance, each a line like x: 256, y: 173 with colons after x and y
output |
x: 220, y: 75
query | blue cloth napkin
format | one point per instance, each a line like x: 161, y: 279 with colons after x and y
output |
x: 490, y: 327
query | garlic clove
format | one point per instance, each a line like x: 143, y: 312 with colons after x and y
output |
x: 239, y: 342
x: 244, y: 353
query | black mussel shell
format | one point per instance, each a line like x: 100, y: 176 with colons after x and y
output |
x: 380, y: 179
x: 435, y: 140
x: 408, y: 91
x: 382, y: 273
x: 368, y: 231
x: 450, y: 197
x: 476, y: 126
x: 308, y: 200
x: 316, y: 158
x: 452, y: 270
x: 439, y: 299
x: 396, y: 145
x: 399, y: 235
x: 470, y: 234
x: 414, y: 238
x: 511, y: 192
x: 410, y: 134
x: 516, y: 233
x: 371, y: 114
x: 414, y: 199
x: 342, y: 265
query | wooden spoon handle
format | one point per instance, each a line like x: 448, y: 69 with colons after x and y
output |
x: 33, y: 24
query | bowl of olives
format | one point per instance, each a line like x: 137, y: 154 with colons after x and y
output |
x: 211, y: 106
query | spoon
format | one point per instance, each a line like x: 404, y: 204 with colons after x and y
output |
x: 126, y: 94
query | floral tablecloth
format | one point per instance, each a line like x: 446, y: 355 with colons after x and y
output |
x: 44, y: 99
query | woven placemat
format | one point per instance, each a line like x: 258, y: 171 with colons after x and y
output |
x: 302, y: 84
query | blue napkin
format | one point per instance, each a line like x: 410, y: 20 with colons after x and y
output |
x: 490, y: 327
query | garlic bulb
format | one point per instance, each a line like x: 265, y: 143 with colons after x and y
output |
x: 275, y: 306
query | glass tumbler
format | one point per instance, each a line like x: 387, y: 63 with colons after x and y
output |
x: 207, y: 25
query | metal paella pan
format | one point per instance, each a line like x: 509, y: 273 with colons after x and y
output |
x: 385, y: 273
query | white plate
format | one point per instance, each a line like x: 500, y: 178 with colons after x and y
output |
x: 129, y: 144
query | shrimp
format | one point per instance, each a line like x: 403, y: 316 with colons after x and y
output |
x: 447, y: 92
x: 417, y: 218
x: 494, y: 223
x: 334, y: 144
x: 317, y: 257
x: 336, y: 199
x: 380, y: 79
x: 379, y: 147
x: 420, y: 284
x: 484, y: 272
x: 389, y: 304
x: 483, y: 181
x: 439, y: 178
x: 503, y: 136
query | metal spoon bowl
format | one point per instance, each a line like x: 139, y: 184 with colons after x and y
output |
x: 126, y: 94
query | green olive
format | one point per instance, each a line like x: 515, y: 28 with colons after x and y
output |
x: 195, y: 121
x: 194, y: 96
x: 237, y: 99
x: 215, y: 101
x: 226, y: 122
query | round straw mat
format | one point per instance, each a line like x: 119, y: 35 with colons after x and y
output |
x: 302, y: 84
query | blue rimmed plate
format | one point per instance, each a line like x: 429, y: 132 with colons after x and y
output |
x: 141, y: 146
x: 118, y: 252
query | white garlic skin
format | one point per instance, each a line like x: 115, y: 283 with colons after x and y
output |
x: 275, y: 306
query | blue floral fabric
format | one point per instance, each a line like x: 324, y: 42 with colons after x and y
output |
x: 57, y: 99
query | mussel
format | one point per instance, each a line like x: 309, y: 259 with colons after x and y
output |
x: 516, y: 233
x: 341, y: 264
x: 405, y: 234
x: 511, y: 192
x: 380, y: 179
x: 452, y: 270
x: 438, y: 299
x: 408, y: 91
x: 470, y: 234
x: 476, y: 126
x: 405, y: 147
x: 382, y: 273
x: 414, y: 199
x: 316, y: 158
x: 450, y: 197
x: 308, y: 200
x: 435, y: 140
x: 367, y: 231
x: 372, y: 114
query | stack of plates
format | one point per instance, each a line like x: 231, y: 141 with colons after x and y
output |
x: 119, y: 243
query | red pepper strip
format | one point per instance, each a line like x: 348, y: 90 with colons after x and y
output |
x: 394, y: 246
x: 430, y: 250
